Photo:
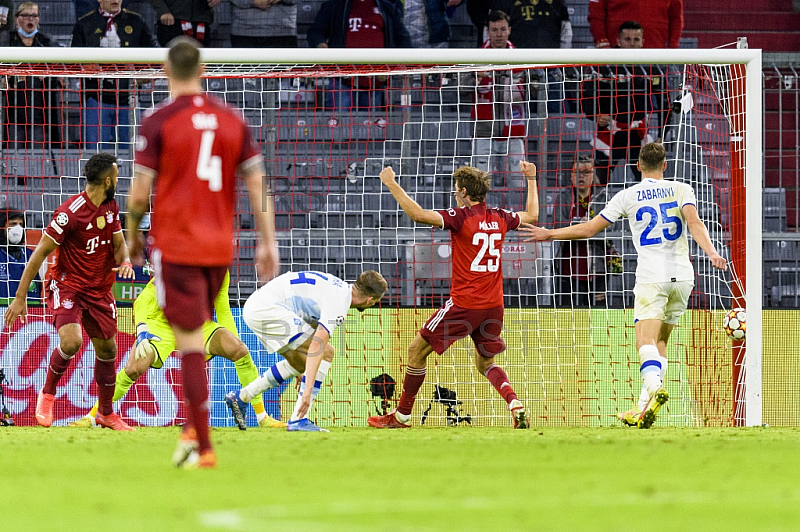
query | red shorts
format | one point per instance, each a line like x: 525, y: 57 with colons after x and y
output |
x: 187, y: 293
x: 98, y: 315
x: 451, y: 323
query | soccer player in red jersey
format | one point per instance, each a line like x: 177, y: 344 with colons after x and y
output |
x: 193, y: 147
x: 88, y: 236
x: 475, y: 307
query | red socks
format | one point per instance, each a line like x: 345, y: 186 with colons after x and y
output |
x: 195, y: 390
x: 59, y: 362
x: 106, y: 379
x: 411, y: 385
x: 499, y: 380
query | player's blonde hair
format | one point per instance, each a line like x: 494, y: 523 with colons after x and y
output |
x: 183, y: 58
x: 476, y: 182
x: 652, y: 157
x: 371, y: 284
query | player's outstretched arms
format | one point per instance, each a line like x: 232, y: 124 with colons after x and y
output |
x: 531, y: 213
x: 409, y: 206
x: 572, y: 232
x: 19, y: 306
x: 700, y: 234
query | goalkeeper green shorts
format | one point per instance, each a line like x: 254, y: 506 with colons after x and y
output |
x: 166, y: 345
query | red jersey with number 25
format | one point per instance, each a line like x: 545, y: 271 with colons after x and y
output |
x: 195, y: 145
x: 477, y: 239
x: 84, y: 233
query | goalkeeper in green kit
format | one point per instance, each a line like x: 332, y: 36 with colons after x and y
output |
x: 155, y: 342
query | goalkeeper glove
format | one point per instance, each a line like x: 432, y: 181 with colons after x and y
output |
x: 143, y: 346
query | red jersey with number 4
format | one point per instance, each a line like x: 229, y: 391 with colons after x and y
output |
x: 477, y: 239
x: 195, y: 145
x: 84, y: 233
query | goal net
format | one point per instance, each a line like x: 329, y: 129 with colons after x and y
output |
x: 327, y: 129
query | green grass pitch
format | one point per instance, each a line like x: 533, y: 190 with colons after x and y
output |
x: 420, y: 479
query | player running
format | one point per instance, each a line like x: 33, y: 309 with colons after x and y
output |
x: 194, y: 148
x: 657, y: 211
x: 155, y: 342
x: 475, y: 307
x: 295, y: 315
x: 87, y: 233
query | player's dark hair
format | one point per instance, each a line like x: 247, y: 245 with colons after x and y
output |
x: 11, y: 214
x: 496, y: 15
x: 98, y: 166
x: 630, y: 25
x: 371, y: 284
x: 475, y: 181
x: 183, y: 58
x: 652, y: 157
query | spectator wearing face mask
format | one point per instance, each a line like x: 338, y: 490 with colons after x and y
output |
x: 14, y: 255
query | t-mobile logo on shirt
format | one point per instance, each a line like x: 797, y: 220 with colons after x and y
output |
x: 355, y: 23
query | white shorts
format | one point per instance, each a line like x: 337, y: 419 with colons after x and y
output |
x: 661, y: 301
x: 277, y: 328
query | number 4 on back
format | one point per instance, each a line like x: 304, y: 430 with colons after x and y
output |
x: 209, y: 167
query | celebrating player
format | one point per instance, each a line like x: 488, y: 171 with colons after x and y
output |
x: 657, y: 211
x: 87, y: 233
x: 475, y: 307
x: 193, y: 147
x: 295, y: 315
x: 155, y: 342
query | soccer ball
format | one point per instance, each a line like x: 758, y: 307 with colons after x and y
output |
x: 735, y: 323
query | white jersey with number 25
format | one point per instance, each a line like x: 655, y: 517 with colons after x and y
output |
x: 653, y: 208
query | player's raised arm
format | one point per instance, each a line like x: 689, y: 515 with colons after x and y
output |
x: 138, y: 200
x: 572, y: 232
x: 267, y: 260
x: 531, y: 213
x: 19, y: 305
x: 700, y: 234
x: 409, y: 206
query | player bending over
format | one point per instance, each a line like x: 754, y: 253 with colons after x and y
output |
x: 475, y: 307
x: 294, y: 315
x: 87, y: 233
x: 657, y: 211
x: 155, y: 342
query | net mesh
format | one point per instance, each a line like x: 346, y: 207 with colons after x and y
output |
x: 327, y: 131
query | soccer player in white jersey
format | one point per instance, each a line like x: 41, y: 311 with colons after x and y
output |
x: 659, y: 211
x: 294, y: 315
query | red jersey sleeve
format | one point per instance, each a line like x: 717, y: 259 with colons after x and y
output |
x: 453, y: 219
x: 148, y: 143
x: 250, y: 152
x: 511, y: 218
x: 60, y: 226
x: 116, y: 226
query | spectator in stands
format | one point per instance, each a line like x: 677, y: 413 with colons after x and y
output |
x: 106, y: 101
x: 662, y: 21
x: 6, y: 20
x: 14, y: 255
x: 427, y: 21
x: 477, y: 11
x: 625, y: 102
x: 33, y: 103
x: 499, y: 112
x: 264, y: 23
x: 580, y: 265
x: 541, y: 25
x: 358, y: 24
x: 192, y: 18
x: 82, y: 7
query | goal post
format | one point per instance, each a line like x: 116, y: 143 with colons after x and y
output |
x: 573, y: 364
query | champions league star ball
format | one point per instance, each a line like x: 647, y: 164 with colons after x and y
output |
x: 735, y: 323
